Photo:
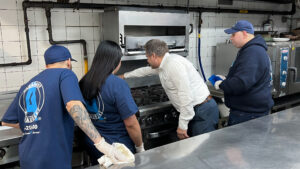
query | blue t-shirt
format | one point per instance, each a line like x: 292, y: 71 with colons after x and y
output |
x: 110, y: 108
x: 40, y: 109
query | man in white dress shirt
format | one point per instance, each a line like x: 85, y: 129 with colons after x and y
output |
x: 184, y: 86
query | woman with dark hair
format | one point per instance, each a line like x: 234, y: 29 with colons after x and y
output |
x: 109, y: 101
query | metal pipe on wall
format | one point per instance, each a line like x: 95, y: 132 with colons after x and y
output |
x: 76, y: 5
x: 49, y: 28
x: 199, y: 46
x: 29, y: 60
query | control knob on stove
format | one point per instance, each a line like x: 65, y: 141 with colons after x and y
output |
x: 174, y: 114
x: 167, y: 117
x: 142, y: 121
x: 149, y: 120
x: 2, y: 153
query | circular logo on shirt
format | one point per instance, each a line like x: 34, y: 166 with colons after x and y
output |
x: 32, y: 100
x: 94, y: 108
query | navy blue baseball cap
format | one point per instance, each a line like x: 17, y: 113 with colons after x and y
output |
x: 241, y: 25
x: 57, y: 53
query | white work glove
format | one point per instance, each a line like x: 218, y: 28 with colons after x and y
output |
x: 119, y: 166
x: 221, y: 76
x: 116, y: 153
x: 140, y: 148
x: 217, y: 84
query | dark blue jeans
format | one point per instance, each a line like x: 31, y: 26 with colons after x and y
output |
x: 236, y: 117
x: 205, y: 120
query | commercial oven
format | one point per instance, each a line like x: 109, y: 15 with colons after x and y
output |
x: 9, y: 137
x: 131, y: 28
x: 285, y: 60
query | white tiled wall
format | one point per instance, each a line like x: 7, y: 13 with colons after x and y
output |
x: 69, y: 24
x: 212, y: 33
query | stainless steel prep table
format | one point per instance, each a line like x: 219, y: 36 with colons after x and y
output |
x: 270, y: 142
x: 9, y: 141
x: 9, y: 136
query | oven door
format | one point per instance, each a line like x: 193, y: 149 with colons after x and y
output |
x: 293, y: 74
x: 159, y: 135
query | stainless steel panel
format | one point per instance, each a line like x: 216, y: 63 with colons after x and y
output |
x: 139, y: 42
x: 226, y: 54
x: 9, y: 141
x: 111, y: 27
x: 267, y: 142
x: 148, y: 17
x: 5, y: 100
x: 131, y: 28
x: 141, y: 22
x: 10, y: 154
x: 136, y: 56
x: 294, y: 68
x: 151, y: 109
x: 9, y: 136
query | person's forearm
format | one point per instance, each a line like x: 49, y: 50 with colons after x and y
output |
x: 134, y: 130
x: 15, y: 125
x: 140, y: 72
x: 135, y: 134
x: 82, y: 119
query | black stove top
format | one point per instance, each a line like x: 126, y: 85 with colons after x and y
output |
x: 149, y: 95
x: 157, y: 117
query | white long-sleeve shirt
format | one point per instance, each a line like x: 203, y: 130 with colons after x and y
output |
x: 182, y: 83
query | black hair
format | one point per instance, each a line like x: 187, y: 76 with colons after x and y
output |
x: 106, y: 59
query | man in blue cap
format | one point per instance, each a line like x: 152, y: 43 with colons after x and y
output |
x: 45, y: 109
x: 247, y: 87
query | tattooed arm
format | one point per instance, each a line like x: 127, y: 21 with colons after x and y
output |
x: 79, y: 114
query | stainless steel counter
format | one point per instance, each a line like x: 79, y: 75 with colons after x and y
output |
x: 270, y: 142
x: 9, y: 141
x: 9, y: 136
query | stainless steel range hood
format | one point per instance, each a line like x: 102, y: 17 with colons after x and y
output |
x: 131, y: 28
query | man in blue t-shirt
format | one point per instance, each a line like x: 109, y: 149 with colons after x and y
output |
x: 44, y: 110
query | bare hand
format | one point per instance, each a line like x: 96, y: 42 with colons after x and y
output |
x: 182, y: 134
x: 121, y: 76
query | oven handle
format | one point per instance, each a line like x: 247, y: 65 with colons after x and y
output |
x: 293, y: 69
x: 143, y: 52
x: 171, y: 44
x: 160, y: 133
x: 142, y: 44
